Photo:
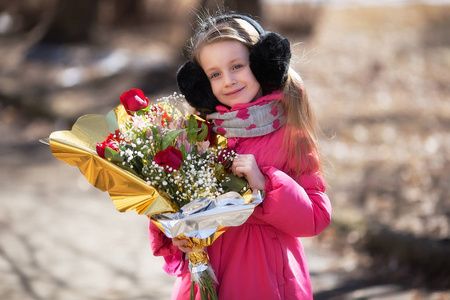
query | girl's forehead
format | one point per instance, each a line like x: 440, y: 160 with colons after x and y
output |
x: 223, y: 50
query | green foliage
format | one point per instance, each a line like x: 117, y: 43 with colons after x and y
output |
x: 170, y: 137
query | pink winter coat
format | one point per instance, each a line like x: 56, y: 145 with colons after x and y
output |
x: 263, y: 258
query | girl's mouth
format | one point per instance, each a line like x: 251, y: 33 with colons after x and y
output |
x: 234, y: 92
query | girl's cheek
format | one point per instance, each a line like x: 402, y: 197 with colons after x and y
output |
x: 215, y: 89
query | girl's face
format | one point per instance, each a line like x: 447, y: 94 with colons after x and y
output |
x: 226, y: 63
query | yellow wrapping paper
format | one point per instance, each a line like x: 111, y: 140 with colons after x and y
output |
x: 77, y: 147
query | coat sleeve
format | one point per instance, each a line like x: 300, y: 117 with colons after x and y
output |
x: 162, y: 246
x: 299, y: 208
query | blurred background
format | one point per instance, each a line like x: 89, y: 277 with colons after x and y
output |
x: 378, y: 74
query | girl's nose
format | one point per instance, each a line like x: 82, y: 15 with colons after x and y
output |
x: 229, y: 79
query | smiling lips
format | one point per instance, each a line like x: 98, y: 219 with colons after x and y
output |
x: 234, y: 92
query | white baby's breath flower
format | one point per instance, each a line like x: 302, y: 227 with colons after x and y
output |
x: 138, y: 122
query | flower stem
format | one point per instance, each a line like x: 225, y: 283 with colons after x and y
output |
x: 192, y: 296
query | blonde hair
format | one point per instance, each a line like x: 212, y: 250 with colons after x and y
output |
x: 300, y: 137
x: 211, y: 31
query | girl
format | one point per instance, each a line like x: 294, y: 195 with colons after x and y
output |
x: 239, y: 76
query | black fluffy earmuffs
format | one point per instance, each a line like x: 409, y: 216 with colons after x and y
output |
x: 269, y: 62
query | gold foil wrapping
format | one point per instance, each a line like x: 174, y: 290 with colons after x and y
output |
x: 77, y: 147
x: 198, y: 257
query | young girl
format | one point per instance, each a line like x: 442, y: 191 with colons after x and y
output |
x: 239, y: 76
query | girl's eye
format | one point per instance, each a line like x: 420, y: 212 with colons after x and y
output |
x: 237, y: 67
x: 214, y: 75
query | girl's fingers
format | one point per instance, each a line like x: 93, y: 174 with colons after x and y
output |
x: 245, y: 166
x: 185, y: 249
x: 238, y: 173
x: 238, y: 169
x: 180, y: 243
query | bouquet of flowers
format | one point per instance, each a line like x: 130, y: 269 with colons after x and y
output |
x: 169, y: 166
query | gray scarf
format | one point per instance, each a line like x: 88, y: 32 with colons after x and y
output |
x: 257, y: 120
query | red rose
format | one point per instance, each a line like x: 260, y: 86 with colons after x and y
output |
x: 134, y: 100
x: 170, y: 159
x: 111, y: 142
x: 108, y: 143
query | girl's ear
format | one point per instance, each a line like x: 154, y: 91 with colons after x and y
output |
x: 269, y: 61
x: 196, y: 88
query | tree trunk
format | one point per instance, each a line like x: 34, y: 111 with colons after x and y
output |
x: 128, y: 12
x: 247, y: 7
x: 72, y: 22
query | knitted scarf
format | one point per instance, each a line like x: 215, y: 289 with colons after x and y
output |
x: 260, y: 119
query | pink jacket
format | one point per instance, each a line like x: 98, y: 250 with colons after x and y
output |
x: 263, y: 258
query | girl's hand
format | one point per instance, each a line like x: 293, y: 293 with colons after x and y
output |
x: 244, y: 165
x: 180, y: 243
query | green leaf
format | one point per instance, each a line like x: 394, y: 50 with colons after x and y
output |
x: 156, y: 136
x: 112, y: 155
x: 146, y: 110
x: 183, y: 152
x: 192, y: 130
x: 192, y: 135
x: 128, y: 169
x: 169, y: 138
x: 202, y: 136
x: 234, y: 183
x: 192, y: 122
